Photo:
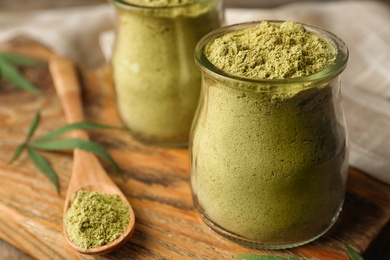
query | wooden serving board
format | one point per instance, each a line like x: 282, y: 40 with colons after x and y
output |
x: 157, y: 185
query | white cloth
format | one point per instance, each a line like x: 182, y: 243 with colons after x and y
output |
x: 70, y: 31
x: 363, y: 25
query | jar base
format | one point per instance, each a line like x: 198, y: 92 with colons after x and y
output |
x: 258, y: 244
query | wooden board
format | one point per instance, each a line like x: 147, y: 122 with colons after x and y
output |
x: 157, y: 186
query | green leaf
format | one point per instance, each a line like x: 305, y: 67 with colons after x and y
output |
x: 353, y: 255
x: 18, y: 59
x: 44, y: 166
x: 17, y: 153
x: 264, y: 257
x: 47, y: 143
x: 13, y: 76
x: 33, y: 126
x: 30, y: 133
x: 75, y: 143
x: 79, y: 125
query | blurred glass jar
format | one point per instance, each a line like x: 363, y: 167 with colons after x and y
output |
x: 269, y: 158
x: 156, y: 80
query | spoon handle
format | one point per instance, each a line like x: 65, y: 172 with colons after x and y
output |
x: 66, y: 83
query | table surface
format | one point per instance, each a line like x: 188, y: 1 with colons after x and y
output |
x: 379, y: 249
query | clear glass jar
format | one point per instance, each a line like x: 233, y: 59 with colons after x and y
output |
x: 156, y: 80
x: 269, y: 158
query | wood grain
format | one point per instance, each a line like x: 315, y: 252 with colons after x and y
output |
x: 157, y: 186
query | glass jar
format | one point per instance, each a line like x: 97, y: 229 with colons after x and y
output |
x: 156, y: 80
x: 269, y: 158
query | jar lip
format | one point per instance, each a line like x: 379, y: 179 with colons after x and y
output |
x: 124, y: 4
x: 329, y: 72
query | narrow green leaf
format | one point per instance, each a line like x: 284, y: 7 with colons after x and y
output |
x: 17, y: 153
x: 353, y: 255
x: 44, y: 166
x: 13, y: 76
x: 30, y: 133
x: 264, y: 257
x: 65, y: 144
x: 75, y: 143
x: 18, y: 59
x: 33, y: 126
x: 79, y: 125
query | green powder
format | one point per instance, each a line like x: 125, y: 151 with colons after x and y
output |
x: 269, y: 165
x: 95, y: 219
x: 271, y: 51
x: 156, y: 80
x: 156, y: 3
x: 269, y: 170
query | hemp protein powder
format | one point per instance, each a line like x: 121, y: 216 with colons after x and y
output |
x: 271, y: 51
x: 268, y: 166
x: 155, y: 3
x: 95, y: 219
x: 156, y: 80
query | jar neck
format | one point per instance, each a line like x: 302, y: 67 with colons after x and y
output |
x: 191, y: 8
x: 322, y: 77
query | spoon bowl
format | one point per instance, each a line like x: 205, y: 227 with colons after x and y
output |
x: 87, y: 172
x: 113, y: 245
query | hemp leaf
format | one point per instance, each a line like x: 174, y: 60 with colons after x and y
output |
x: 73, y: 143
x: 30, y: 133
x: 12, y: 75
x: 48, y: 143
x: 353, y: 255
x: 44, y: 166
x: 79, y: 125
x: 265, y: 257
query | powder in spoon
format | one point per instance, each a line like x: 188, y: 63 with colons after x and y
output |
x: 95, y: 219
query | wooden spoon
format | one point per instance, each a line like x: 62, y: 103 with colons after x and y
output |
x: 87, y: 172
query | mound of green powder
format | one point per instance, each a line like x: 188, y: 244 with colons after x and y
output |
x: 95, y: 219
x: 271, y: 51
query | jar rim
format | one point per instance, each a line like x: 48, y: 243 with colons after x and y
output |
x: 329, y: 72
x: 124, y: 4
